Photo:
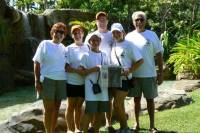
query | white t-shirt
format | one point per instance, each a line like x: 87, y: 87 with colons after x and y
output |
x: 127, y: 54
x: 149, y: 45
x: 106, y: 41
x: 90, y: 60
x: 74, y: 54
x: 52, y: 61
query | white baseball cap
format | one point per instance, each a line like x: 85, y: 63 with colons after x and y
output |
x: 117, y: 26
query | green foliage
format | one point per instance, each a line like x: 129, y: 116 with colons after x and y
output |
x: 73, y: 4
x: 88, y: 26
x: 165, y: 42
x: 186, y: 55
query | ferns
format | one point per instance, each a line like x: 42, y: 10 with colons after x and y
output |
x: 88, y: 26
x: 185, y: 56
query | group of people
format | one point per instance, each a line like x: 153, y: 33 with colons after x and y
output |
x: 73, y: 72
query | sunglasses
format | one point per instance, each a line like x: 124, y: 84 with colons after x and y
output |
x: 94, y: 40
x: 139, y: 19
x: 59, y: 31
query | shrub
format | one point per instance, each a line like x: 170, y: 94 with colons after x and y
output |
x: 185, y: 55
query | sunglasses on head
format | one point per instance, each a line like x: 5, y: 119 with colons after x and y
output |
x: 60, y: 31
x: 139, y: 19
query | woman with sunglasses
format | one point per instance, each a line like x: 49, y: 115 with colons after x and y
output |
x: 75, y: 80
x: 50, y: 75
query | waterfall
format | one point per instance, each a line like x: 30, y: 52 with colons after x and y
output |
x: 42, y: 29
x: 26, y: 25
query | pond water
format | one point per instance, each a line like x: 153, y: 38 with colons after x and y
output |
x: 14, y: 102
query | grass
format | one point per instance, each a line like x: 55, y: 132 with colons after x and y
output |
x: 181, y: 120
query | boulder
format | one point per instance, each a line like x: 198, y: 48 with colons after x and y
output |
x: 171, y: 94
x: 31, y: 121
x: 187, y: 85
x: 66, y: 15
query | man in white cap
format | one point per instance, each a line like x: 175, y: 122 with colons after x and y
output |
x: 146, y: 76
x: 125, y: 55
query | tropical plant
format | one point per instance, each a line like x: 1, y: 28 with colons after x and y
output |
x: 88, y: 26
x: 186, y: 55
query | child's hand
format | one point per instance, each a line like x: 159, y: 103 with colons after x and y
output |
x: 81, y: 71
x: 98, y: 67
x: 125, y: 72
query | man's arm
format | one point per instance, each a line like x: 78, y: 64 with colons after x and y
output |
x: 159, y: 60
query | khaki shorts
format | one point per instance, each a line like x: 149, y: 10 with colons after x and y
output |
x: 145, y: 86
x: 53, y: 89
x: 96, y: 107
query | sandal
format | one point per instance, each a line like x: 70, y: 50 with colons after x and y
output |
x: 153, y: 130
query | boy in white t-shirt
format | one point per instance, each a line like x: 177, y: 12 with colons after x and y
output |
x: 97, y: 102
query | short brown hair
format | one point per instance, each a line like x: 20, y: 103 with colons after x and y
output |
x: 57, y: 26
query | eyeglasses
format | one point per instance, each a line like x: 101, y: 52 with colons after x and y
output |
x: 139, y: 19
x: 76, y: 32
x: 59, y: 31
